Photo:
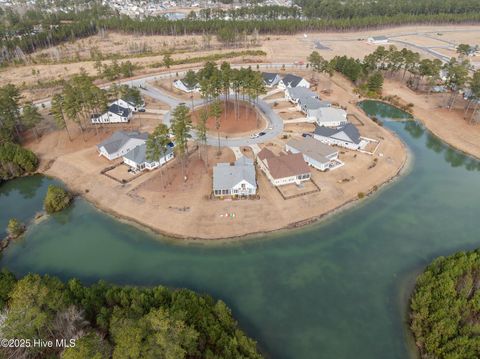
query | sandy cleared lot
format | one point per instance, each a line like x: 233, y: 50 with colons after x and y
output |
x: 157, y: 195
x: 449, y: 125
x: 279, y: 49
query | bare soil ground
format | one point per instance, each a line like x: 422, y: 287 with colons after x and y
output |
x: 234, y: 123
x: 449, y: 125
x: 160, y: 194
x: 279, y: 49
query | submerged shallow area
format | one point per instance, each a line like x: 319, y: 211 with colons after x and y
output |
x: 336, y: 289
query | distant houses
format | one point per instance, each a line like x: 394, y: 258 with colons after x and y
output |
x: 132, y: 147
x: 346, y: 136
x: 377, y: 40
x: 271, y: 79
x: 182, y: 86
x: 235, y: 180
x: 120, y: 143
x: 315, y: 153
x: 292, y: 81
x: 283, y: 169
x: 137, y: 158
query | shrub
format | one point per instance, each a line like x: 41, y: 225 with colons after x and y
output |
x: 15, y: 228
x: 16, y: 161
x: 56, y: 199
x: 361, y: 195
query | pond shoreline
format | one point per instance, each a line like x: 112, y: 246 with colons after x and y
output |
x: 402, y: 169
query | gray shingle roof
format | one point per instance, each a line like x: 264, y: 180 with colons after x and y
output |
x: 300, y: 92
x: 119, y: 110
x: 312, y: 148
x: 119, y: 138
x: 139, y: 154
x: 312, y: 103
x: 226, y: 176
x: 291, y: 80
x: 269, y: 77
x: 349, y: 129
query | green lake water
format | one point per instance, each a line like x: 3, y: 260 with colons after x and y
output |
x: 337, y: 289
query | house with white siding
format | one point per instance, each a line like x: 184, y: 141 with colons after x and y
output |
x: 271, y: 79
x: 292, y: 81
x: 237, y: 179
x: 114, y: 114
x: 377, y: 40
x: 128, y: 104
x: 317, y: 154
x: 137, y: 158
x: 329, y: 116
x: 283, y: 169
x: 346, y: 136
x: 120, y: 143
x: 296, y: 93
x: 182, y: 86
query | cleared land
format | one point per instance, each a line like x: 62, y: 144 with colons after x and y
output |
x: 235, y: 121
x: 163, y: 201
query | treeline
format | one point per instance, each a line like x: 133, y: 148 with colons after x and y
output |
x: 108, y: 321
x: 15, y: 160
x: 349, y: 9
x: 90, y: 22
x: 445, y: 307
x: 453, y: 76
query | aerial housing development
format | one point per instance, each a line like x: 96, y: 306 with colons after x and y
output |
x: 202, y: 179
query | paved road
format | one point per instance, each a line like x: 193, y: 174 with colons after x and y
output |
x: 273, y: 129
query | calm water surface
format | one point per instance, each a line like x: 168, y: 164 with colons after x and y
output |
x: 338, y: 289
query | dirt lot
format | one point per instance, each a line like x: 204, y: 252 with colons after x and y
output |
x: 449, y: 125
x: 234, y: 123
x: 279, y: 49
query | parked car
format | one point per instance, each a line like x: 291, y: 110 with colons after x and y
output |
x: 306, y: 134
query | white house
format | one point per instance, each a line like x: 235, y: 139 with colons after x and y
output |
x: 128, y: 104
x: 235, y: 180
x: 309, y: 104
x: 296, y: 93
x: 377, y: 40
x: 315, y: 153
x: 180, y: 85
x: 284, y: 168
x: 293, y: 81
x: 346, y: 136
x: 329, y: 116
x: 270, y: 79
x: 120, y: 143
x: 137, y: 158
x: 114, y: 114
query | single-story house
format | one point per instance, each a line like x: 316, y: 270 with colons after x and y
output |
x: 235, y: 180
x: 120, y: 143
x: 308, y: 104
x: 315, y: 153
x: 329, y: 116
x: 270, y: 79
x: 137, y: 158
x: 182, y: 86
x: 294, y: 94
x: 378, y: 40
x: 293, y: 81
x: 345, y: 136
x: 284, y: 168
x: 114, y: 114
